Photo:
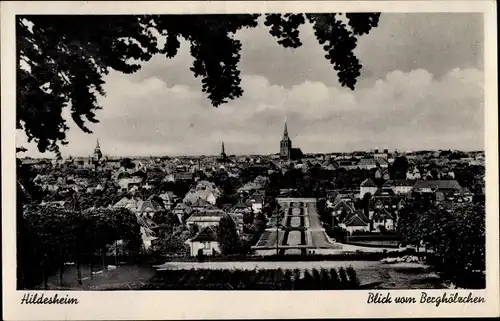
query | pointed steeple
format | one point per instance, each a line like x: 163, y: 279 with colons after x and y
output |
x: 222, y: 150
x: 285, y: 144
x: 97, y: 151
x: 285, y: 132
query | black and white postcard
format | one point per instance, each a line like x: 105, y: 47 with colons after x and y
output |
x: 209, y: 160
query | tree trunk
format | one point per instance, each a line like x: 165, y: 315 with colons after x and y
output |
x: 103, y: 257
x: 45, y: 279
x: 78, y: 272
x: 91, y: 268
x: 116, y: 253
x: 61, y: 271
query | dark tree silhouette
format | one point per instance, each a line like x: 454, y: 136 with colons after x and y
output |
x: 61, y: 64
x: 127, y: 163
x: 229, y: 239
x: 399, y: 168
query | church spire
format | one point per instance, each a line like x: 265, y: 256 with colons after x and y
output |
x: 285, y: 144
x: 97, y: 151
x: 223, y: 157
x: 285, y: 132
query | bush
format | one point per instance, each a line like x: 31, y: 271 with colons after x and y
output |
x: 276, y: 279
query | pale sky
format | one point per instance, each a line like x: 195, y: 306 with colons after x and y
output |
x: 421, y: 87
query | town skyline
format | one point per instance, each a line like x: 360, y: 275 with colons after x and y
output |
x: 229, y: 154
x: 420, y: 88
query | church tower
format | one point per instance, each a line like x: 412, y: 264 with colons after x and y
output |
x: 285, y: 145
x: 223, y: 156
x: 222, y: 151
x: 97, y: 152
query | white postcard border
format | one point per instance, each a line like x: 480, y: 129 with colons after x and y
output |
x: 226, y: 304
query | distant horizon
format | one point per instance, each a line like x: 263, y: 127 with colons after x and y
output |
x: 257, y: 154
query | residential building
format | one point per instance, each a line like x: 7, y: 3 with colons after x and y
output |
x: 431, y: 186
x: 382, y: 163
x: 207, y: 217
x: 382, y: 173
x: 256, y: 202
x: 413, y: 173
x: 182, y: 210
x: 378, y: 155
x: 148, y: 208
x: 367, y: 186
x: 169, y: 199
x: 399, y: 186
x: 203, y: 190
x: 367, y: 163
x: 205, y: 242
x: 129, y: 184
x: 356, y: 222
x: 382, y: 218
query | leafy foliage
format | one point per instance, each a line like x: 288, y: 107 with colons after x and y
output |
x: 53, y: 236
x: 399, y: 168
x: 456, y: 237
x: 61, y: 64
x: 228, y: 236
